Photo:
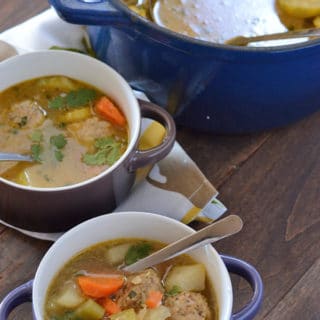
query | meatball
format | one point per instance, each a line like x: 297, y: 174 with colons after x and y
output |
x: 26, y: 114
x: 188, y: 306
x: 137, y: 288
x: 90, y: 129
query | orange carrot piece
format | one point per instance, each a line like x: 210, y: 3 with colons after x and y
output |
x: 110, y: 306
x: 105, y: 107
x: 98, y: 287
x: 154, y: 299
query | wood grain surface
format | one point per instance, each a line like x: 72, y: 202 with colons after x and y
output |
x: 270, y: 179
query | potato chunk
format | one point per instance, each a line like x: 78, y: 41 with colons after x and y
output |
x: 128, y: 314
x: 115, y: 255
x: 90, y: 310
x: 186, y: 278
x: 300, y: 8
x: 70, y: 296
x: 75, y: 115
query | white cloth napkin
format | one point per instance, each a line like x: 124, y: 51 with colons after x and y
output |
x: 174, y: 187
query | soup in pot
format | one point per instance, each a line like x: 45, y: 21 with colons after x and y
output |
x: 72, y: 130
x: 219, y: 21
x: 91, y: 286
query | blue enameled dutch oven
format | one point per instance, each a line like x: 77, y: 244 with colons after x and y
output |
x: 206, y: 86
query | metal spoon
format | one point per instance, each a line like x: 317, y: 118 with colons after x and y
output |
x: 305, y: 33
x: 212, y: 233
x: 15, y: 157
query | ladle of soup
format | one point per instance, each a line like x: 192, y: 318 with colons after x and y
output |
x: 71, y: 130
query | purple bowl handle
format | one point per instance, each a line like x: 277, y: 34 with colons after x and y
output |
x: 251, y: 275
x: 141, y: 158
x: 14, y: 298
x: 89, y: 12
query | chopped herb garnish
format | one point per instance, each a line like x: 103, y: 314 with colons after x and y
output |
x: 36, y: 149
x: 36, y: 136
x: 137, y: 252
x: 23, y: 121
x: 108, y: 152
x: 14, y: 131
x: 59, y: 155
x: 80, y: 97
x: 173, y: 291
x: 56, y: 103
x: 73, y: 99
x: 132, y: 294
x: 58, y: 141
x: 86, y: 44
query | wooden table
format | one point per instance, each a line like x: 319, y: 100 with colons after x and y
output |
x: 270, y: 179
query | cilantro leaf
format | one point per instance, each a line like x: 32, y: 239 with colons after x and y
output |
x: 108, y: 152
x: 58, y: 141
x: 73, y: 99
x: 97, y: 159
x: 36, y: 136
x: 56, y: 103
x: 59, y: 155
x: 36, y: 149
x: 80, y: 97
x: 173, y: 291
x: 137, y: 252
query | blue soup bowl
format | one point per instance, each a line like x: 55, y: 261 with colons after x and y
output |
x: 206, y: 86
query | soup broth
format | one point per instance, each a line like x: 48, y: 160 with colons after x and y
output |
x: 219, y: 21
x: 65, y: 126
x: 171, y: 290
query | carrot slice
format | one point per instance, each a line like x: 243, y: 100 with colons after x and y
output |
x: 154, y: 299
x: 98, y: 287
x: 110, y: 306
x: 106, y: 108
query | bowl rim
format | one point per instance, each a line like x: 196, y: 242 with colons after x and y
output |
x: 58, y: 54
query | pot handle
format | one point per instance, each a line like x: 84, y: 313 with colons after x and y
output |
x: 14, y: 298
x: 251, y: 275
x: 141, y: 158
x: 89, y: 12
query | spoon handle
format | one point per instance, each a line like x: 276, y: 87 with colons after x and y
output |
x: 212, y: 233
x: 304, y: 33
x: 14, y: 157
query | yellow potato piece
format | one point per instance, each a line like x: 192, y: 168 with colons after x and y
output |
x: 75, y: 115
x: 316, y: 22
x: 300, y: 8
x: 139, y: 10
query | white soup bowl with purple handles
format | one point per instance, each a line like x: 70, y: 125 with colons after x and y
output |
x: 136, y: 225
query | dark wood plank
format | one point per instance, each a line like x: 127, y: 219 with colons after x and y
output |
x: 292, y: 304
x: 277, y: 194
x: 17, y: 11
x: 19, y: 258
x: 220, y: 156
